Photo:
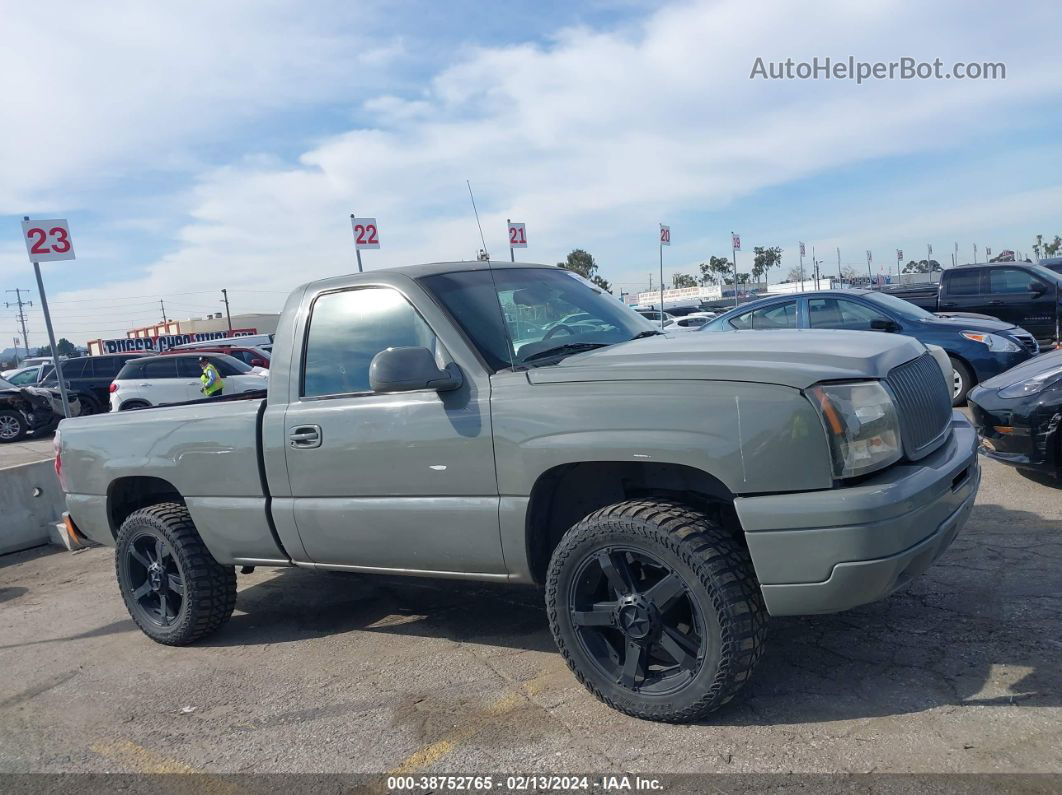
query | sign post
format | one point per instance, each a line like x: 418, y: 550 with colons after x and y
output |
x: 802, y: 267
x: 899, y: 260
x: 870, y: 273
x: 517, y: 238
x: 735, y: 247
x: 665, y: 240
x: 48, y: 240
x: 366, y: 235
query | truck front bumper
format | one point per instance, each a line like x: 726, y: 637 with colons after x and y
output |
x: 825, y: 551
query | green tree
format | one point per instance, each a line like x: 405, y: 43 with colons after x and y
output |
x: 680, y: 280
x: 65, y: 347
x: 922, y: 266
x: 717, y: 270
x: 1042, y: 249
x: 43, y: 352
x: 765, y: 258
x: 582, y: 262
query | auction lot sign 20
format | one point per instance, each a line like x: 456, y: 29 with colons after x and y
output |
x: 166, y: 341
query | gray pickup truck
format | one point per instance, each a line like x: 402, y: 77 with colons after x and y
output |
x: 515, y: 424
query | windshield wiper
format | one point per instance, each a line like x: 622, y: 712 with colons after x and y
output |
x: 641, y: 335
x: 567, y: 349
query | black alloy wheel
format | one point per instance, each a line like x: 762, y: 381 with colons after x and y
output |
x: 154, y: 580
x: 656, y: 609
x: 634, y: 618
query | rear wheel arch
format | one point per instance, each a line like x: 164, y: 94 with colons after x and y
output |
x: 565, y: 494
x: 127, y: 495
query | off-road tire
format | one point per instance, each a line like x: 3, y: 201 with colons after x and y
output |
x: 716, y: 567
x: 10, y: 418
x: 962, y: 372
x: 210, y: 588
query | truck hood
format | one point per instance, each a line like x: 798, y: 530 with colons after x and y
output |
x: 796, y: 358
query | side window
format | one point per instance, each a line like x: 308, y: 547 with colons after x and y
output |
x: 187, y: 367
x: 224, y: 368
x: 159, y: 368
x: 964, y: 281
x: 347, y: 329
x: 75, y: 368
x: 130, y: 371
x: 775, y: 316
x: 105, y: 366
x: 841, y: 313
x: 1012, y: 280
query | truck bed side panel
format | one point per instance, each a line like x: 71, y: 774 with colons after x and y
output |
x: 208, y: 452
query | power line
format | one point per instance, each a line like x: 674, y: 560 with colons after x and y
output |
x: 21, y: 315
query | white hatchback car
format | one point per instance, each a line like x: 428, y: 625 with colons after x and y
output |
x: 692, y: 322
x: 174, y: 378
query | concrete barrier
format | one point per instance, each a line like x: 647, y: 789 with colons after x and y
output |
x: 31, y: 502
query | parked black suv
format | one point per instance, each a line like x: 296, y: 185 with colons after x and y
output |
x: 89, y: 377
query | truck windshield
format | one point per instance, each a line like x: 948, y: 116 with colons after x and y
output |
x: 518, y: 316
x: 898, y: 306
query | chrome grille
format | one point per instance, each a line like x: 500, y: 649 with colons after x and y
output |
x: 1027, y: 341
x: 924, y: 403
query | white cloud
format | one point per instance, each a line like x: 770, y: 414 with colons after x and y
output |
x: 94, y: 91
x: 590, y: 140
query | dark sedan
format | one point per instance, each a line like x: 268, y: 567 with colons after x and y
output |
x: 978, y: 347
x: 1018, y: 414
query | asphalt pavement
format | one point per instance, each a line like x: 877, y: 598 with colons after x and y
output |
x: 317, y: 672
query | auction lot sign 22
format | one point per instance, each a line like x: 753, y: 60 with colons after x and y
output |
x: 167, y: 341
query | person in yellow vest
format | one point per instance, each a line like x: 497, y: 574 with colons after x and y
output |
x: 213, y: 383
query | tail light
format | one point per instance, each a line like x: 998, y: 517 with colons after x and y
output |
x: 113, y: 387
x: 58, y: 447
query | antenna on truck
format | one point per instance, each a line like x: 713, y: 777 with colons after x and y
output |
x: 485, y: 257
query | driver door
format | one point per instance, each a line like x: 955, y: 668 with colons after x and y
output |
x: 401, y: 481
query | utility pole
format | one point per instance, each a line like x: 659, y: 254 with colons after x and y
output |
x: 21, y: 315
x: 163, y: 305
x: 225, y: 298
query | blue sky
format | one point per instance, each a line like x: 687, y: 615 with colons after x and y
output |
x: 197, y: 146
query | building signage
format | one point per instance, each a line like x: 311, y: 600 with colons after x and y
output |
x: 167, y: 341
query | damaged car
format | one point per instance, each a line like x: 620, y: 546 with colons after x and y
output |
x: 26, y: 410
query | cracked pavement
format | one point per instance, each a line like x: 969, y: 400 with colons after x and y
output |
x: 344, y: 673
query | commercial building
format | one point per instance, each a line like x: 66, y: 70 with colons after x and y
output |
x: 160, y: 336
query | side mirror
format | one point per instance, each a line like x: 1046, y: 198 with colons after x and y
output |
x: 409, y: 369
x: 880, y: 324
x: 1038, y: 289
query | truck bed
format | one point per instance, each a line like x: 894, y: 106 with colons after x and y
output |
x: 207, y: 451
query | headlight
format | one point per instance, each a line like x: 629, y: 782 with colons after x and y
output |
x: 995, y: 343
x: 1033, y: 385
x: 861, y: 424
